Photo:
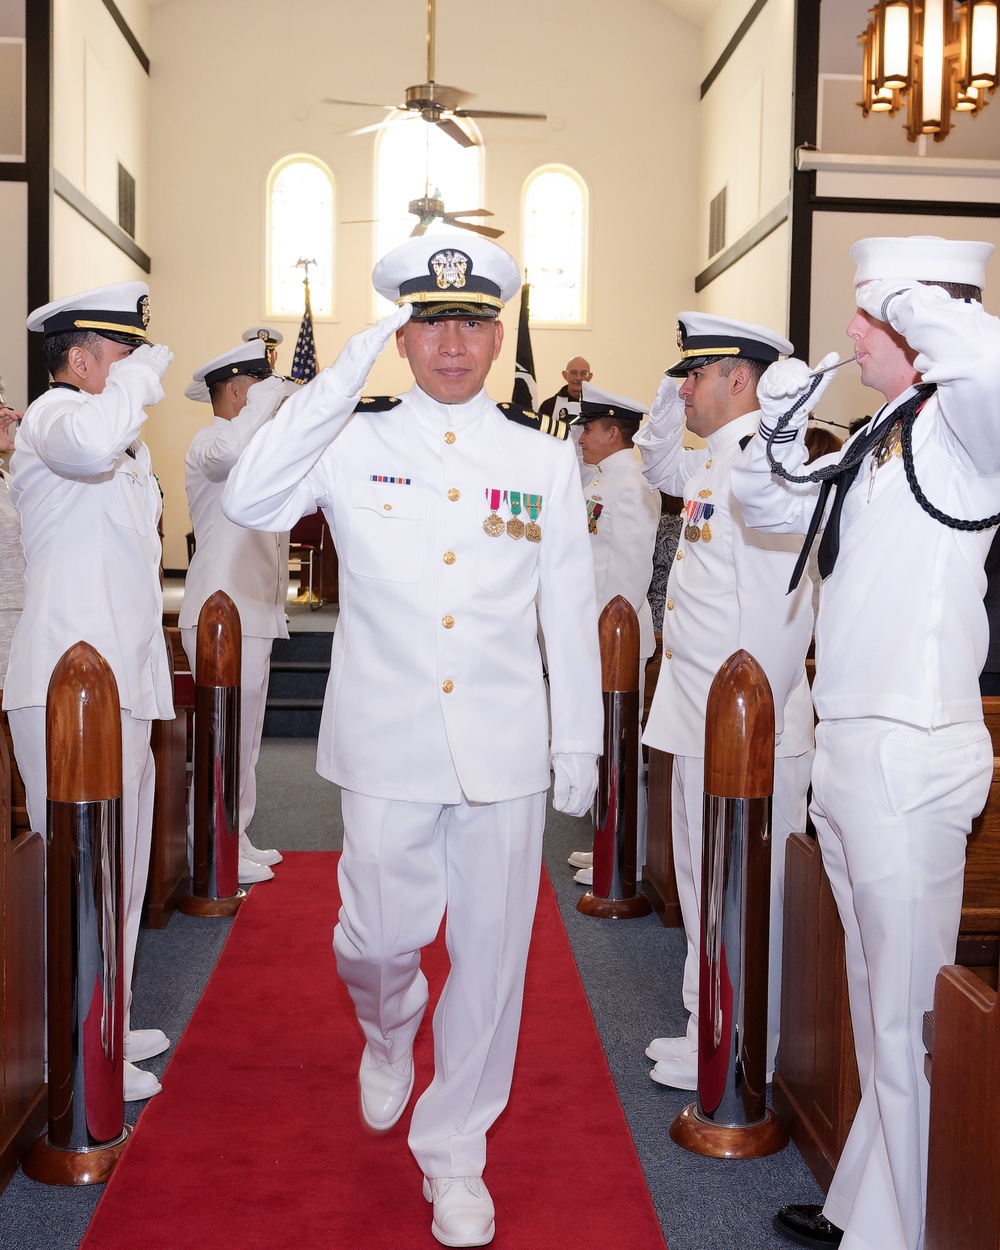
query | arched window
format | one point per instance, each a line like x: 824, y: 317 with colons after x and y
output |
x: 300, y: 216
x: 414, y: 159
x: 555, y: 245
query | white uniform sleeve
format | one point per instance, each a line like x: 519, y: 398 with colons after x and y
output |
x: 958, y: 346
x: 269, y: 487
x: 220, y: 446
x: 769, y: 502
x: 629, y: 568
x: 86, y: 439
x: 665, y: 464
x: 567, y: 610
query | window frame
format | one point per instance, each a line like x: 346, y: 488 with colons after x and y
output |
x: 299, y: 158
x: 567, y: 171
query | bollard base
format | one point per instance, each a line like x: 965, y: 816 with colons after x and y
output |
x: 195, y: 905
x: 753, y: 1141
x: 614, y: 908
x: 51, y: 1166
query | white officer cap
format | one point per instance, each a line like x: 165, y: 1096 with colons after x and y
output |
x: 596, y: 404
x: 249, y: 358
x: 119, y: 312
x: 448, y: 275
x: 922, y: 258
x: 271, y: 337
x: 703, y: 337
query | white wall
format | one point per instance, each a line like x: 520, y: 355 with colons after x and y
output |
x: 232, y: 95
x: 14, y: 292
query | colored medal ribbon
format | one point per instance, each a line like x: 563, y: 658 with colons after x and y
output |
x: 515, y: 526
x: 533, y: 531
x: 493, y: 525
x: 594, y: 510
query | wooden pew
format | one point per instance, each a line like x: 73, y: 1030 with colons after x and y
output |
x: 816, y: 1088
x: 23, y: 1101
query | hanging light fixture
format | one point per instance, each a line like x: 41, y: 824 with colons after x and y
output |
x: 936, y: 56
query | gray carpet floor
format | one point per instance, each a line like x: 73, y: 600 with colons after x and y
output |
x: 632, y: 974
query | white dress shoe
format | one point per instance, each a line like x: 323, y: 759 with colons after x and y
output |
x: 145, y: 1043
x: 139, y: 1083
x: 385, y: 1089
x: 248, y: 872
x: 679, y: 1073
x: 463, y: 1210
x: 670, y: 1048
x: 585, y: 876
x: 255, y: 855
x: 581, y: 859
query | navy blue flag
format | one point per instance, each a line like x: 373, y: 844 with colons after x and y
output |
x: 525, y: 390
x: 304, y: 365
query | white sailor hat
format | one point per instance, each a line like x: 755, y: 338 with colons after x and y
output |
x: 448, y: 275
x: 703, y: 338
x: 119, y: 312
x: 596, y: 404
x: 922, y: 258
x: 271, y: 337
x: 249, y: 358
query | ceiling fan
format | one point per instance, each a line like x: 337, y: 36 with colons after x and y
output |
x: 429, y: 207
x: 434, y: 102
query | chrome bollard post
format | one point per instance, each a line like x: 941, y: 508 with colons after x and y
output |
x: 216, y: 781
x: 730, y: 1118
x: 83, y: 748
x: 613, y: 895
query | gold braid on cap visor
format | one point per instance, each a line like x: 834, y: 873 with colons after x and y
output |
x: 710, y: 351
x: 470, y: 300
x: 135, y: 332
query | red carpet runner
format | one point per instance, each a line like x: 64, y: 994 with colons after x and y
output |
x: 256, y: 1142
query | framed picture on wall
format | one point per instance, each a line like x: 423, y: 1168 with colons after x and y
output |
x: 11, y: 98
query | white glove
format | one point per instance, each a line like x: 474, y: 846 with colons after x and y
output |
x: 154, y: 356
x: 784, y: 383
x: 351, y: 368
x: 878, y: 296
x: 576, y: 781
x: 667, y: 412
x: 265, y: 394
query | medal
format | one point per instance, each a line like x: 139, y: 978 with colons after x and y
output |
x: 493, y: 525
x: 594, y: 510
x: 692, y: 533
x: 515, y: 526
x: 533, y: 531
x: 706, y: 533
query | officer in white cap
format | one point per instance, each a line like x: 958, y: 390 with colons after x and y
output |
x: 250, y: 566
x: 89, y: 505
x: 271, y: 337
x: 726, y: 591
x: 903, y: 759
x: 623, y: 513
x: 450, y: 515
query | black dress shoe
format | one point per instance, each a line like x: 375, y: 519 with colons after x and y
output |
x: 806, y: 1225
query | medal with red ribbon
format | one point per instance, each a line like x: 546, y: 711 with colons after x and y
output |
x: 493, y: 525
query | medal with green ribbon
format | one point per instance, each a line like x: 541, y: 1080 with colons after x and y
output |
x: 533, y: 531
x: 515, y: 526
x: 493, y: 525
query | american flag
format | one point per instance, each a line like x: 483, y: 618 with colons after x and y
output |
x: 304, y: 364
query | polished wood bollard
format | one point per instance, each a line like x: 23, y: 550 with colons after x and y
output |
x: 730, y: 1118
x: 87, y: 1130
x: 613, y: 895
x: 215, y: 883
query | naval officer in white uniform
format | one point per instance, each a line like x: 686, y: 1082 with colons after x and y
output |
x: 250, y: 566
x: 903, y: 759
x: 623, y: 512
x: 726, y: 591
x: 83, y: 485
x: 450, y: 518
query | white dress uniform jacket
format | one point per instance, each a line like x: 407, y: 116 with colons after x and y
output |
x: 11, y: 573
x: 726, y: 591
x: 250, y: 566
x: 623, y: 535
x: 436, y: 686
x: 89, y: 513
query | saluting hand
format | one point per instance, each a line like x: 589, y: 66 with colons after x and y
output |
x: 351, y: 368
x: 154, y: 355
x: 880, y: 297
x: 667, y: 412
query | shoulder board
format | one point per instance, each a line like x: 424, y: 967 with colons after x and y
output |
x: 744, y: 441
x: 376, y: 403
x: 544, y: 425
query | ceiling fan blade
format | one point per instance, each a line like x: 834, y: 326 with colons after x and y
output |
x: 470, y: 212
x: 489, y: 231
x: 367, y: 130
x: 419, y: 229
x: 453, y: 95
x: 454, y: 131
x: 532, y: 117
x: 365, y: 104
